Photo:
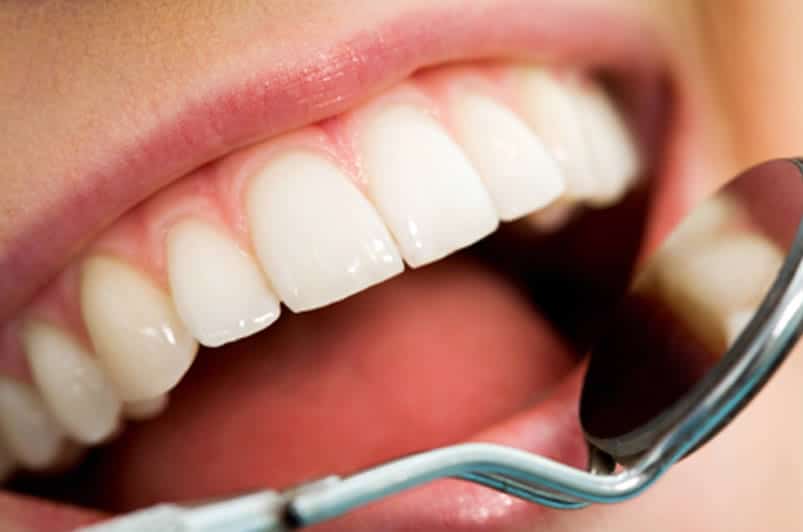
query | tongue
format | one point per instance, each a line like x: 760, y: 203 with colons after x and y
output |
x: 427, y: 359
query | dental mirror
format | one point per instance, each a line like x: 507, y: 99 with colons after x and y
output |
x: 700, y: 306
x: 706, y: 322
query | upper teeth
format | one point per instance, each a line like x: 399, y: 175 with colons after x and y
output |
x: 324, y: 213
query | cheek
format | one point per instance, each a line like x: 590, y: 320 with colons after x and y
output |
x: 753, y: 49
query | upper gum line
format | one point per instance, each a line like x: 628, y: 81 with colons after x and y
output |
x: 222, y: 196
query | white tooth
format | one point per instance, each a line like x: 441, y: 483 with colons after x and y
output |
x: 136, y: 334
x: 219, y: 291
x: 27, y: 430
x: 423, y: 185
x: 722, y: 276
x: 317, y: 237
x: 145, y: 409
x: 736, y: 322
x: 615, y: 162
x: 705, y: 222
x: 551, y: 108
x: 76, y: 391
x: 520, y: 175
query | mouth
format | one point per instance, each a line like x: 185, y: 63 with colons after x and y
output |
x: 387, y: 266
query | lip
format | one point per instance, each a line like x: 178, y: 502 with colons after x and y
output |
x: 242, y: 107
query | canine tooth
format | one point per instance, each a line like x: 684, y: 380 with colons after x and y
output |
x: 551, y: 108
x: 75, y: 390
x: 520, y: 175
x: 317, y: 237
x: 717, y: 279
x: 423, y: 185
x: 219, y: 291
x: 136, y: 334
x: 27, y: 430
x: 145, y: 409
x: 615, y: 162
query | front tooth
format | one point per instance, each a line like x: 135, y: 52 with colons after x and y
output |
x: 136, y: 334
x: 76, y: 391
x: 317, y: 237
x: 717, y: 280
x: 612, y: 151
x: 423, y: 185
x: 27, y: 430
x: 520, y: 175
x: 551, y: 108
x: 218, y: 289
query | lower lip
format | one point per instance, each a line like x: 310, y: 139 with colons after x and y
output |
x: 551, y: 429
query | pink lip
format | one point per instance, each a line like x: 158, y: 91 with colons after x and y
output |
x: 268, y: 99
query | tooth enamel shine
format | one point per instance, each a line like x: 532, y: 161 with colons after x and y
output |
x: 76, y: 391
x: 520, y: 175
x: 423, y: 185
x: 137, y: 336
x: 219, y: 291
x: 317, y: 237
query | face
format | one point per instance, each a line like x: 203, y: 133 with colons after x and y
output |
x: 396, y: 216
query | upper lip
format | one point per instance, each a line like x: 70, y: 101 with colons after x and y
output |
x: 245, y: 107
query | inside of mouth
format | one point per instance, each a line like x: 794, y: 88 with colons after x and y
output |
x: 433, y: 357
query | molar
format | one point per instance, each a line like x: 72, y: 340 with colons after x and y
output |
x: 219, y: 291
x: 713, y: 296
x: 520, y: 175
x: 427, y: 191
x: 317, y: 237
x: 135, y: 331
x: 75, y: 390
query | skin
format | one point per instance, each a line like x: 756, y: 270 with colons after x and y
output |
x: 70, y: 70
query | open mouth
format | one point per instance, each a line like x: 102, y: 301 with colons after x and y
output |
x: 424, y: 267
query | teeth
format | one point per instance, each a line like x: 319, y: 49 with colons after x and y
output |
x: 712, y: 284
x: 317, y: 237
x: 520, y: 175
x: 551, y: 108
x: 704, y: 223
x: 426, y: 190
x: 145, y: 409
x: 75, y: 390
x: 218, y: 289
x: 553, y: 217
x: 735, y: 324
x: 615, y: 161
x: 27, y: 430
x: 134, y: 329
